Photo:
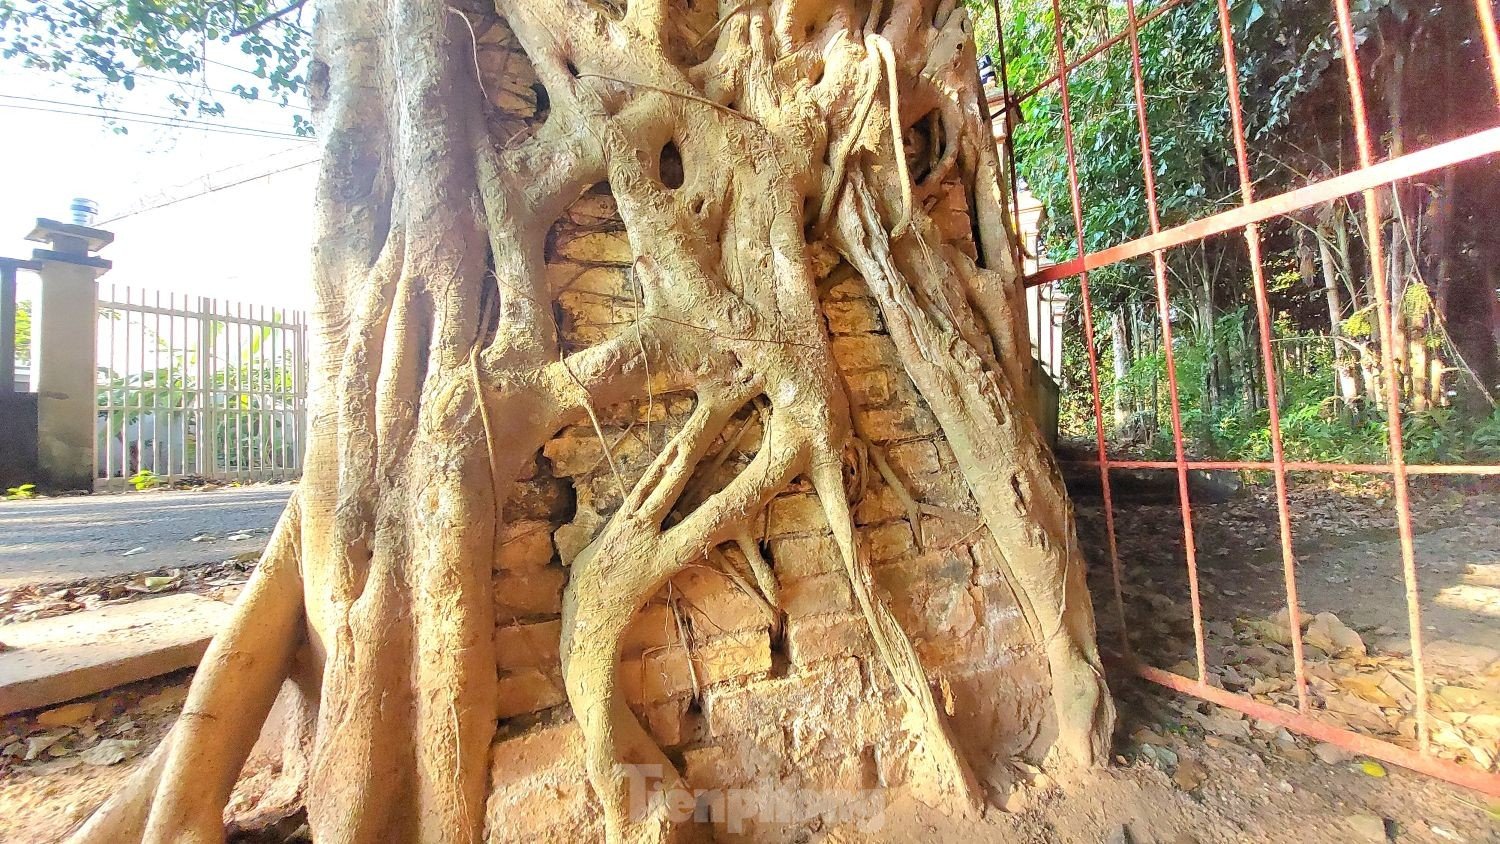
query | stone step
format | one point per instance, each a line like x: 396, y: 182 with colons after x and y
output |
x: 57, y: 659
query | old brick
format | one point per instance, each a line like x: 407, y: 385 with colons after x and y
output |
x: 850, y: 287
x: 579, y: 451
x: 893, y: 758
x: 593, y: 209
x: 542, y: 499
x: 817, y: 595
x: 715, y: 604
x: 833, y: 686
x: 870, y: 387
x: 951, y: 531
x: 834, y: 779
x: 525, y: 691
x: 918, y: 574
x: 734, y: 655
x: 496, y: 33
x: 670, y: 721
x: 713, y: 767
x: 941, y: 652
x: 919, y: 457
x: 653, y: 626
x: 528, y: 645
x: 880, y: 504
x: 852, y: 316
x: 800, y: 513
x: 805, y: 556
x: 854, y: 352
x: 585, y: 308
x: 524, y: 546
x: 946, y: 488
x: 817, y: 638
x: 890, y: 541
x: 534, y: 593
x: 537, y: 751
x: 597, y: 248
x: 655, y: 674
x: 539, y: 775
x: 897, y: 423
x: 661, y: 673
x: 756, y: 756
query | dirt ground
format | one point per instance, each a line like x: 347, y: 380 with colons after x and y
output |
x: 1185, y: 771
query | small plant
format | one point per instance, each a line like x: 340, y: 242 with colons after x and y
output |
x: 145, y: 479
x: 20, y: 493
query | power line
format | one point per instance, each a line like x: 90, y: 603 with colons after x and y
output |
x: 123, y: 116
x: 214, y: 189
x: 204, y: 179
x: 188, y: 120
x: 200, y: 86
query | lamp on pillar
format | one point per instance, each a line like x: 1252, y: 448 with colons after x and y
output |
x: 64, y: 351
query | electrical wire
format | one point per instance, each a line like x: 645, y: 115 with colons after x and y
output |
x: 199, y: 86
x: 192, y: 120
x: 206, y: 192
x: 126, y: 116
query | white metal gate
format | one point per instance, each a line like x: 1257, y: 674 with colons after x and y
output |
x: 190, y: 386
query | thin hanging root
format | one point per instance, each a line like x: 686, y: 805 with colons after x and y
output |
x: 892, y: 645
x: 898, y: 488
x: 840, y: 158
x: 764, y: 576
x: 588, y: 407
x: 893, y: 88
x: 729, y: 569
x: 670, y: 93
x: 707, y: 475
x: 684, y: 640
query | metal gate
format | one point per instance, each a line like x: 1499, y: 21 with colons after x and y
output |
x: 1373, y: 177
x: 194, y: 387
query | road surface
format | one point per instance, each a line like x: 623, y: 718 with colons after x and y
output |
x: 62, y: 539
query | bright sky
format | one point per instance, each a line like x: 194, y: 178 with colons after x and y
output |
x: 248, y: 242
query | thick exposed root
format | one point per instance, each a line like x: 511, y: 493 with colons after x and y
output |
x: 950, y: 779
x: 179, y: 795
x: 1006, y: 466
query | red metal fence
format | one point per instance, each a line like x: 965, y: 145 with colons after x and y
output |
x: 1370, y: 178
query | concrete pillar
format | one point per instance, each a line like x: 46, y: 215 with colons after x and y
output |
x: 63, y: 354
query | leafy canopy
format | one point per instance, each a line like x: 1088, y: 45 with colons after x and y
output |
x: 107, y: 45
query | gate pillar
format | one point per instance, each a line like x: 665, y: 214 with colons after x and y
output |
x: 63, y: 350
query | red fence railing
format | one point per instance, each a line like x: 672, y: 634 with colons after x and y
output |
x: 1371, y: 179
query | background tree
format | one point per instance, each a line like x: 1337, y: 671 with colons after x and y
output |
x: 105, y: 46
x: 1296, y: 107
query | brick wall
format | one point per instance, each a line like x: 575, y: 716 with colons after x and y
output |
x: 733, y: 703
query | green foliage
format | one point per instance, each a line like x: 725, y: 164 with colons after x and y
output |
x: 106, y: 45
x: 20, y: 493
x: 1314, y: 427
x: 240, y: 410
x: 144, y: 479
x: 23, y: 331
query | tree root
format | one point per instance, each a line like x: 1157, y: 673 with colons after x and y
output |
x: 380, y: 571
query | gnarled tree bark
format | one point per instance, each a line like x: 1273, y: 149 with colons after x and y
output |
x: 791, y: 138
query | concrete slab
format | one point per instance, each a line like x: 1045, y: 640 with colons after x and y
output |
x: 57, y: 659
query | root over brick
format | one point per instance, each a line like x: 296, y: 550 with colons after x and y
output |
x: 671, y: 422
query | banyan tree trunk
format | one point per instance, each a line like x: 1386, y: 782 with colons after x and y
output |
x: 755, y: 154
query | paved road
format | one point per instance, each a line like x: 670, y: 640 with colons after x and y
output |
x: 59, y: 539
